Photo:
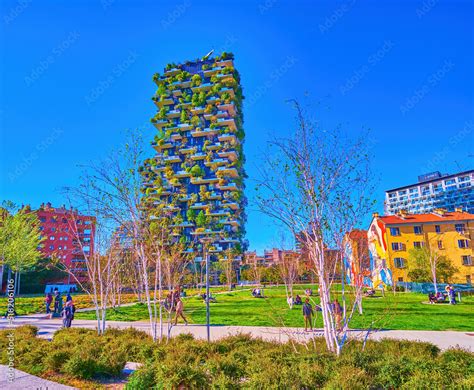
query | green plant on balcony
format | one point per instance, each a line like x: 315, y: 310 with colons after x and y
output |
x: 184, y: 116
x: 193, y: 199
x: 196, y: 80
x: 196, y: 171
x: 205, y: 66
x: 198, y: 99
x: 165, y: 153
x: 170, y: 66
x: 191, y: 215
x: 201, y: 219
x: 159, y: 138
x: 226, y: 97
x: 195, y: 121
x: 229, y: 82
x: 210, y: 108
x: 209, y: 156
x: 205, y: 145
x: 182, y: 76
x: 156, y: 78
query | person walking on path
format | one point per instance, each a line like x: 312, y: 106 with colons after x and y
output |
x: 308, y: 315
x: 67, y: 314
x: 337, y: 310
x: 48, y: 300
x: 179, y: 312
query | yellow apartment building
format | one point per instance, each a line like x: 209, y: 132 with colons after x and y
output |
x: 448, y: 233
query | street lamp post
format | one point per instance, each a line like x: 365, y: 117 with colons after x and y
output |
x: 208, y: 311
x: 205, y: 241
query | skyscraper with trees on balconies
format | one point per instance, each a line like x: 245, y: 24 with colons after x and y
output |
x: 198, y: 170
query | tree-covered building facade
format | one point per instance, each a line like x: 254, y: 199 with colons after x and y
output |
x: 197, y: 173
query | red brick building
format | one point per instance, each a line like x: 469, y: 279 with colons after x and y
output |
x: 69, y: 236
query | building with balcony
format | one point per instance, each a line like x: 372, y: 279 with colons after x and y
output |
x: 432, y: 191
x: 68, y: 236
x: 197, y: 171
x: 392, y: 238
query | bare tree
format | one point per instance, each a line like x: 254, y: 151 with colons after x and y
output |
x: 315, y: 182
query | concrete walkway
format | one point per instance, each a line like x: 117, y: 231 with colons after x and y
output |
x: 443, y: 339
x: 24, y: 381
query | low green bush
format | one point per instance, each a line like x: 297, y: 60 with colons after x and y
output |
x: 240, y: 362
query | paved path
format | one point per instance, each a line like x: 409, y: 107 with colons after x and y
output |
x: 24, y: 381
x: 443, y: 339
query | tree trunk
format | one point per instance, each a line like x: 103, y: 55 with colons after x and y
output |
x: 1, y: 277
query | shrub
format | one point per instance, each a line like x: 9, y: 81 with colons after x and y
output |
x: 240, y: 361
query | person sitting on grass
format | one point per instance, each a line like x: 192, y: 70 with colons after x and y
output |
x: 432, y: 298
x: 298, y: 300
x: 307, y: 315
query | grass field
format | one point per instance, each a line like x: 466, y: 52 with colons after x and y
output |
x: 394, y: 311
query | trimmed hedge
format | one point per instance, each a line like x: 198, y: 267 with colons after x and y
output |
x: 240, y: 362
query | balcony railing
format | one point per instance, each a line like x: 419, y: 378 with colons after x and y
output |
x: 229, y: 172
x: 227, y: 137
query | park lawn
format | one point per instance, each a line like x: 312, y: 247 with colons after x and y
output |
x: 32, y: 304
x: 404, y: 311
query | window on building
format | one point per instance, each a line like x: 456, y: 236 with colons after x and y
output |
x: 41, y: 228
x: 438, y: 229
x: 463, y: 243
x: 399, y: 262
x: 66, y: 229
x: 400, y: 279
x: 87, y: 231
x: 449, y: 182
x: 394, y: 231
x: 418, y: 229
x: 460, y: 228
x: 53, y: 229
x: 60, y: 247
x: 88, y: 222
x: 466, y: 260
x: 53, y: 219
x: 65, y: 247
x: 440, y: 244
x: 64, y: 220
x: 43, y: 219
x: 418, y: 244
x: 51, y: 238
x: 79, y: 221
x: 397, y: 246
x: 51, y: 247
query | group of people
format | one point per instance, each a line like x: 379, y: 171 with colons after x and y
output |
x: 296, y: 301
x: 257, y: 293
x: 66, y: 311
x: 308, y: 313
x: 439, y: 297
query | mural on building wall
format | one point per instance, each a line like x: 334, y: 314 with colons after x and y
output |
x: 355, y: 276
x: 381, y: 275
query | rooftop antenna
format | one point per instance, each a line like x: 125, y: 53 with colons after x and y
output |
x: 208, y: 55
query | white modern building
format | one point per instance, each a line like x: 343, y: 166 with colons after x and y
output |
x: 433, y: 191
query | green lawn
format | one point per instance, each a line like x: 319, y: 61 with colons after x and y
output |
x: 394, y: 311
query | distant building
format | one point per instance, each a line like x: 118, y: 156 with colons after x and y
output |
x: 69, y: 236
x: 392, y: 237
x: 269, y: 258
x: 433, y: 191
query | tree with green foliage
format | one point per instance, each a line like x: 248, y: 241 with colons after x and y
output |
x: 428, y: 265
x: 201, y: 219
x: 20, y: 238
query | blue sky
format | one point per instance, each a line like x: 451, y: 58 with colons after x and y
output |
x: 76, y: 74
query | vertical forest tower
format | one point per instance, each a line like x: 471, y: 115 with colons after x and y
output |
x: 197, y: 170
